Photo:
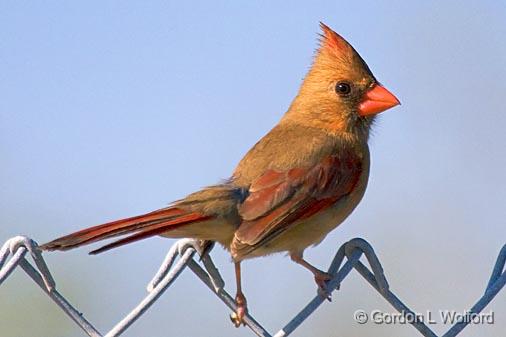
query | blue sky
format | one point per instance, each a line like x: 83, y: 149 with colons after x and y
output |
x: 109, y: 109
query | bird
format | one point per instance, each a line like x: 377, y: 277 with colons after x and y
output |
x: 294, y: 186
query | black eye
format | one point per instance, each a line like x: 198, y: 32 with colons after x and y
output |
x: 343, y: 88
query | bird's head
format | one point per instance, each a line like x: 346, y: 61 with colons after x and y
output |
x: 339, y: 93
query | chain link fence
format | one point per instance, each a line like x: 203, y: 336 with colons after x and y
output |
x: 17, y: 251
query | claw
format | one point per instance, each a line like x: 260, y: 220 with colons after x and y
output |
x: 321, y: 279
x: 237, y: 317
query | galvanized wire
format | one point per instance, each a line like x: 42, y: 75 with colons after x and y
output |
x: 16, y: 251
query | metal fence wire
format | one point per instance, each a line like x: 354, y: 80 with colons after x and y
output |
x: 17, y: 250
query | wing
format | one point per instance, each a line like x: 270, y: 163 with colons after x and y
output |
x: 279, y: 198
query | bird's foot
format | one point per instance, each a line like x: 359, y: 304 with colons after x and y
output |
x: 242, y: 309
x: 321, y: 279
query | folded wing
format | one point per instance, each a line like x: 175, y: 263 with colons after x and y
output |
x: 279, y: 198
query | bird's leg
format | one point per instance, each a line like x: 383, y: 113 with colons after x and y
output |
x: 320, y: 276
x: 238, y: 316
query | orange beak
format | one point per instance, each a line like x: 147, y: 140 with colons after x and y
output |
x: 376, y: 100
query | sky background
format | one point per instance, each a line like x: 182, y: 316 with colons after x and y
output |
x: 110, y: 109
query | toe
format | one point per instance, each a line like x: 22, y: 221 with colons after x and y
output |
x: 238, y: 316
x: 321, y: 280
x: 236, y: 319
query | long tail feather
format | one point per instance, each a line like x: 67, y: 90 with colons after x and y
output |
x: 152, y: 231
x: 142, y: 226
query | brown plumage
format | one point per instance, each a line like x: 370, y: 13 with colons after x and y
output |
x: 293, y: 187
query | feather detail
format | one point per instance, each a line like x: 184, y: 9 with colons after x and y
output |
x: 333, y: 41
x: 155, y: 229
x: 146, y: 223
x: 278, y: 199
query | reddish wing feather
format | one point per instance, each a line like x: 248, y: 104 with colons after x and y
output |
x: 266, y: 193
x: 301, y: 194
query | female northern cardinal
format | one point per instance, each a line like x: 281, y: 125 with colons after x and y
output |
x: 292, y: 188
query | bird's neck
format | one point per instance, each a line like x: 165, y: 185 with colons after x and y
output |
x: 350, y: 127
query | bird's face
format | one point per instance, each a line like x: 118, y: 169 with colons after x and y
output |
x: 340, y: 92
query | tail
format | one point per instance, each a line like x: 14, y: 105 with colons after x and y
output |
x: 139, y: 227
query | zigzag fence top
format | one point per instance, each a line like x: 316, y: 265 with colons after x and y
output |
x: 16, y: 251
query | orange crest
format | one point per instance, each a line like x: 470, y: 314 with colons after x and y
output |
x: 334, y: 42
